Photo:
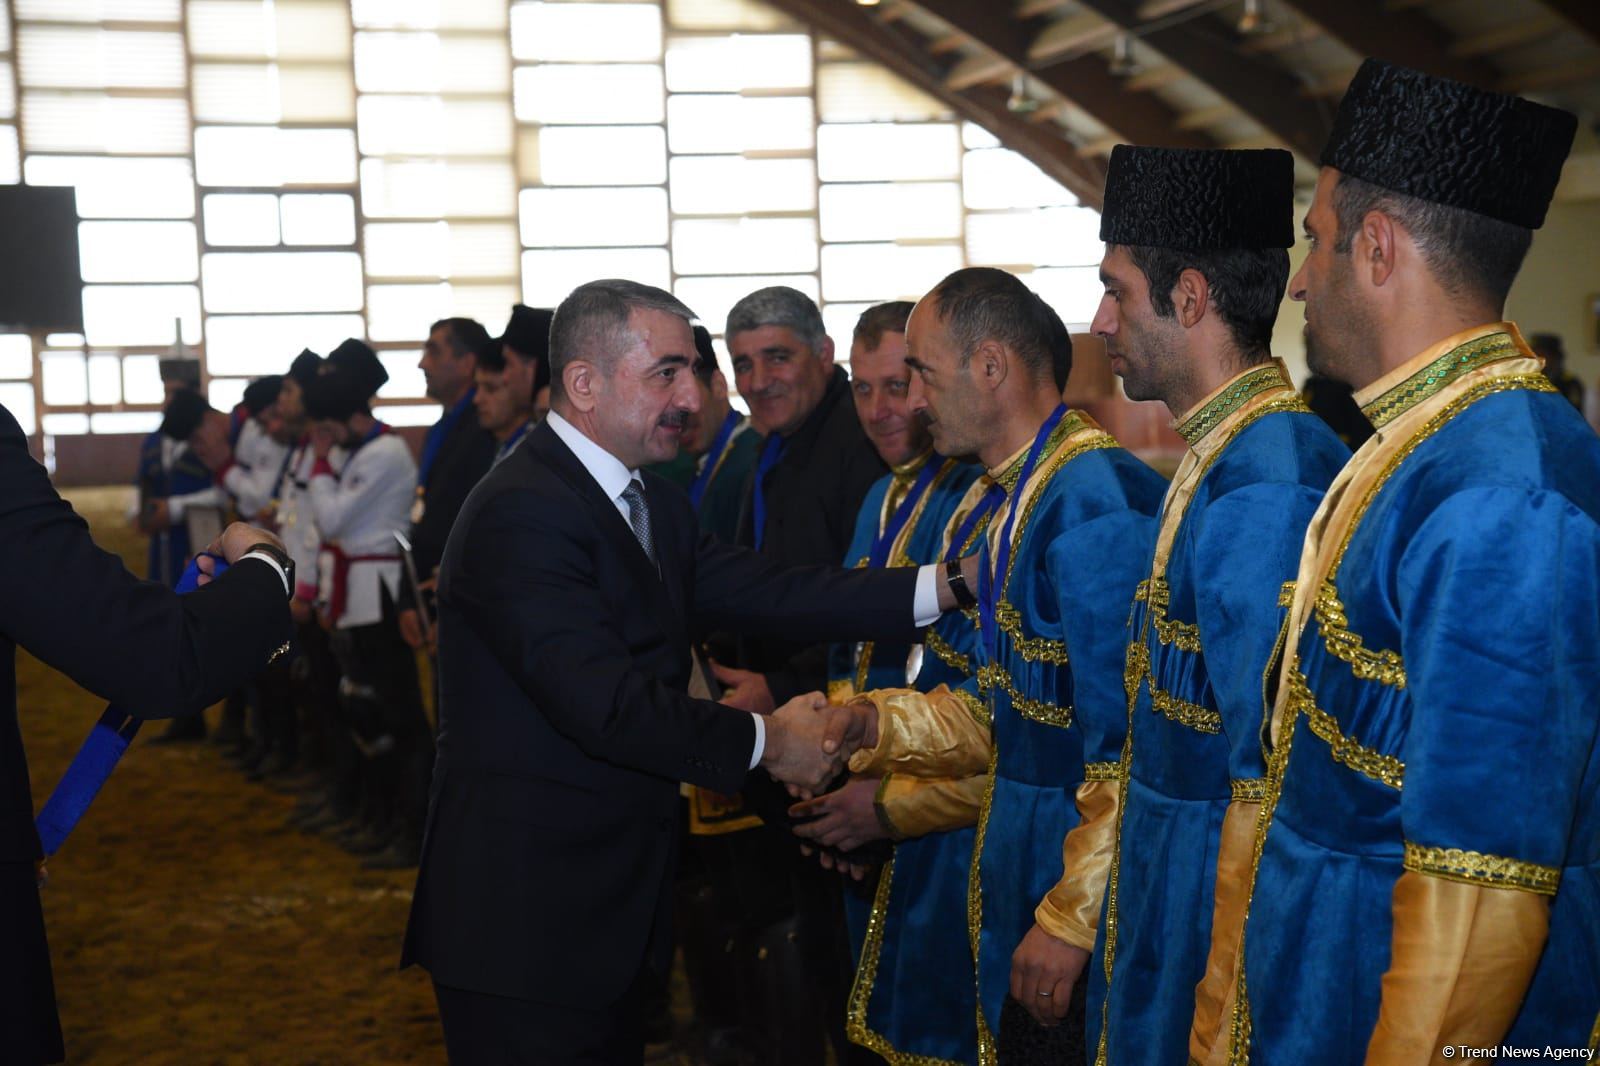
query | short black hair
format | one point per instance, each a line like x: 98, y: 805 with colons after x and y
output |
x: 466, y: 334
x: 1246, y: 285
x: 706, y: 364
x: 879, y: 319
x: 1468, y: 253
x: 982, y: 303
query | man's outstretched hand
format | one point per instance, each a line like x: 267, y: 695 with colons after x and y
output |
x: 844, y: 819
x: 809, y: 740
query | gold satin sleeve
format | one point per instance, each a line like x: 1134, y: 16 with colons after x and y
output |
x: 915, y: 806
x: 1462, y: 956
x: 1071, y: 910
x: 932, y: 734
x: 1214, y: 996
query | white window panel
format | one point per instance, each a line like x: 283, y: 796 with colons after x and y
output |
x: 320, y: 93
x: 16, y: 355
x: 1056, y: 236
x: 418, y: 414
x: 749, y: 245
x: 593, y: 217
x: 5, y: 30
x: 99, y: 10
x: 137, y: 251
x: 602, y: 155
x: 88, y: 57
x: 724, y: 15
x: 437, y: 189
x: 120, y: 188
x: 428, y: 125
x: 840, y: 322
x: 1074, y: 292
x: 731, y: 184
x: 139, y: 422
x: 10, y: 162
x: 319, y: 218
x: 250, y: 219
x: 427, y: 62
x: 287, y: 281
x: 65, y: 377
x: 712, y: 298
x: 8, y: 91
x: 739, y: 62
x: 879, y: 272
x: 266, y: 157
x: 65, y: 425
x: 429, y: 14
x: 575, y: 93
x: 92, y: 122
x: 17, y: 397
x: 875, y: 151
x: 868, y: 92
x: 236, y: 92
x: 887, y: 212
x: 140, y: 314
x: 729, y: 124
x: 226, y: 393
x: 266, y: 344
x: 406, y: 249
x: 996, y: 178
x: 230, y: 28
x: 549, y: 276
x: 404, y: 312
x: 405, y: 376
x: 105, y: 378
x: 975, y: 136
x: 312, y: 29
x: 575, y: 32
x: 489, y: 304
x: 141, y: 379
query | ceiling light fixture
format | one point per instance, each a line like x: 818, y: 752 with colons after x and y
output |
x: 1253, y: 20
x: 1020, y: 102
x: 1123, y: 63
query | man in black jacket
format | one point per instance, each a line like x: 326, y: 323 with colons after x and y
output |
x: 569, y: 590
x: 136, y: 643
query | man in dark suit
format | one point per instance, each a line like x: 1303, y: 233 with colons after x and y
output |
x: 136, y: 643
x: 569, y: 590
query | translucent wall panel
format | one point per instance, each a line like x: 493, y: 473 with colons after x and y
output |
x: 887, y: 212
x: 404, y: 312
x: 10, y: 157
x: 8, y: 91
x: 441, y: 250
x: 281, y: 281
x: 270, y: 157
x: 140, y: 422
x: 738, y: 63
x: 428, y: 125
x: 17, y: 397
x: 137, y: 251
x: 577, y: 32
x: 740, y: 124
x: 429, y: 14
x: 876, y: 272
x: 600, y: 155
x: 16, y: 355
x: 231, y: 28
x: 618, y: 93
x: 250, y: 219
x: 224, y: 393
x: 267, y: 344
x: 724, y: 15
x: 120, y: 188
x: 312, y: 29
x: 754, y: 246
x: 236, y: 92
x: 839, y: 319
x: 321, y: 93
x: 427, y: 62
x: 141, y: 379
x: 1057, y: 236
x: 884, y: 152
x: 318, y: 218
x: 1073, y: 291
x: 105, y: 378
x: 712, y: 298
x: 867, y: 92
x: 999, y: 178
x: 99, y: 10
x: 405, y: 376
x: 489, y: 304
x: 88, y: 57
x: 731, y: 184
x: 93, y: 122
x: 436, y: 189
x: 140, y: 314
x: 593, y: 217
x: 65, y: 378
x: 548, y: 276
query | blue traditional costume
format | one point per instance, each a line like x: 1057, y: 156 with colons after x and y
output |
x: 1431, y: 814
x: 1045, y: 713
x: 168, y: 468
x: 915, y: 924
x: 1202, y: 624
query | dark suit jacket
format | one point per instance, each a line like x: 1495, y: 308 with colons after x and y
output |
x: 136, y: 643
x: 464, y: 457
x: 812, y: 496
x: 564, y: 728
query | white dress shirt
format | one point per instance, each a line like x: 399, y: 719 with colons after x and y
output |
x: 613, y: 477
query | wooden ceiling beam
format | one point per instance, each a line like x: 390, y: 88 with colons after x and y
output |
x: 1584, y: 14
x: 1510, y: 35
x: 1408, y: 38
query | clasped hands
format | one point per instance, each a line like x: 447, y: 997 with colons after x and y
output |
x: 809, y: 740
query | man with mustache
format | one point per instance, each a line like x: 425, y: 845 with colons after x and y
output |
x: 1191, y: 296
x: 1046, y: 713
x: 1427, y: 874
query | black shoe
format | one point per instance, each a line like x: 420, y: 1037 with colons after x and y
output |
x: 403, y: 854
x: 182, y: 730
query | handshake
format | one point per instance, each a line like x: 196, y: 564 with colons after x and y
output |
x: 809, y: 740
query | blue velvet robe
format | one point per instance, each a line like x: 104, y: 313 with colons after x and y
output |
x: 1258, y: 465
x: 915, y: 923
x: 1054, y: 687
x: 1439, y: 715
x: 168, y: 550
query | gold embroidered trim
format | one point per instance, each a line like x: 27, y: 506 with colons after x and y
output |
x: 946, y: 654
x: 1248, y: 789
x: 976, y: 707
x: 1383, y: 666
x: 1088, y: 444
x: 1184, y: 635
x: 1437, y: 375
x: 1200, y: 719
x: 995, y: 676
x: 1286, y: 594
x: 1032, y: 649
x: 1476, y: 868
x: 1209, y: 417
x: 1594, y: 1036
x: 1102, y: 771
x: 1385, y: 769
x: 986, y: 1047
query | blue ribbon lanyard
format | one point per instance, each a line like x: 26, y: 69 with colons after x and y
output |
x: 771, y: 452
x: 977, y: 518
x: 989, y: 581
x: 879, y: 555
x: 514, y: 440
x: 436, y: 435
x: 702, y: 480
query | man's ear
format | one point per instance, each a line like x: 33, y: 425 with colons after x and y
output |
x: 1191, y: 298
x: 1375, y: 246
x: 580, y: 380
x: 825, y: 353
x: 991, y: 363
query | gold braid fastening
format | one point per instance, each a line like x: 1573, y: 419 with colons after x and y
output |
x: 1383, y: 666
x: 994, y: 676
x: 946, y: 654
x: 1385, y: 769
x: 1032, y: 649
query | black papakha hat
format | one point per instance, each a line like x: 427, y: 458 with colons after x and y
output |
x: 358, y: 357
x: 180, y: 368
x: 183, y: 415
x: 1438, y: 140
x: 528, y: 332
x: 337, y: 393
x: 306, y: 366
x: 262, y: 392
x: 1199, y: 199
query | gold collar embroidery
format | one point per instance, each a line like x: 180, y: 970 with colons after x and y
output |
x: 1210, y: 413
x: 1430, y: 372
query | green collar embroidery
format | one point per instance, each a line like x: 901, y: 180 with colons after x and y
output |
x: 1437, y: 375
x: 1252, y: 383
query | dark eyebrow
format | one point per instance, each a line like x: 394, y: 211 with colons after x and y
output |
x: 914, y: 363
x: 777, y: 349
x: 671, y: 360
x: 1105, y: 279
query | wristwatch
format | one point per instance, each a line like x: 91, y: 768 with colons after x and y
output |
x: 957, y: 581
x: 277, y: 555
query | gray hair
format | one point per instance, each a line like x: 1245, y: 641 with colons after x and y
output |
x: 779, y: 305
x: 592, y: 323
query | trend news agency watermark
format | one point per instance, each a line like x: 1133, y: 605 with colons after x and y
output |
x: 1558, y: 1054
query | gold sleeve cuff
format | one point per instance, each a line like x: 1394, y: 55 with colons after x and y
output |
x: 840, y: 690
x: 1071, y: 910
x: 1476, y: 868
x: 1462, y: 956
x: 932, y: 734
x: 1214, y: 997
x: 913, y: 806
